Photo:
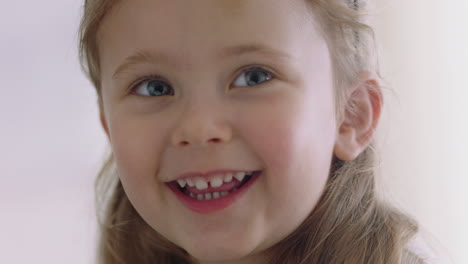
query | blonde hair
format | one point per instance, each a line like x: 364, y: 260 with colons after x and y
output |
x: 354, y: 225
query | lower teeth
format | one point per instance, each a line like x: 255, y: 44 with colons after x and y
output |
x: 213, y: 195
x: 209, y: 196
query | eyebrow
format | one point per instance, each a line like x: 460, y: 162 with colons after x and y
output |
x: 153, y: 57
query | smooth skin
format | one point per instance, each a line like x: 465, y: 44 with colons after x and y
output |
x: 225, y: 108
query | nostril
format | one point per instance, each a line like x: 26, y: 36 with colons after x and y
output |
x: 215, y: 140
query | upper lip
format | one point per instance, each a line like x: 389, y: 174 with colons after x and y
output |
x: 208, y: 174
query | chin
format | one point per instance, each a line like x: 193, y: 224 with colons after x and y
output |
x: 217, y: 257
x: 204, y: 251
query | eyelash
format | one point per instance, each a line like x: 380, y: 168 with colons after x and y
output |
x: 145, y: 78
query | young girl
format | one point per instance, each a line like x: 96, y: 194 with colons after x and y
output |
x: 241, y: 131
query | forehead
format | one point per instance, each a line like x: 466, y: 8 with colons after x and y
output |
x: 194, y: 30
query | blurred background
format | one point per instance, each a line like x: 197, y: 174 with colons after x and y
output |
x: 52, y: 146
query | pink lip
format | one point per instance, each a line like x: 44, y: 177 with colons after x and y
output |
x: 211, y: 206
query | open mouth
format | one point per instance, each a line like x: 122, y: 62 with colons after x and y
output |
x: 213, y: 190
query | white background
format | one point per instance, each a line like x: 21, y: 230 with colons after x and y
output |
x: 51, y: 144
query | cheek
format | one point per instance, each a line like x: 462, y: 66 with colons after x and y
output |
x: 136, y: 148
x: 287, y: 134
x: 137, y: 145
x: 298, y: 153
x: 294, y: 140
x: 295, y: 148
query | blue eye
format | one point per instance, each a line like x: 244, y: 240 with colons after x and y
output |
x: 153, y: 87
x: 253, y: 76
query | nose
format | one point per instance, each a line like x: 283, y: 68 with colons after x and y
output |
x: 201, y: 125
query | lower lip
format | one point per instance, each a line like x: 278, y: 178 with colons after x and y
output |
x: 214, y: 205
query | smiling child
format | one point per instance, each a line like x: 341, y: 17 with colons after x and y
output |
x: 242, y: 131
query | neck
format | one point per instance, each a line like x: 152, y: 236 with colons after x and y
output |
x: 251, y: 259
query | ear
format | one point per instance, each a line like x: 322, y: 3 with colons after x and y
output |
x: 361, y: 117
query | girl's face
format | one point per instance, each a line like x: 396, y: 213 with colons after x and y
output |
x: 200, y: 86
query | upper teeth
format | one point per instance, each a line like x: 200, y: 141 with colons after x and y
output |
x: 215, y: 181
